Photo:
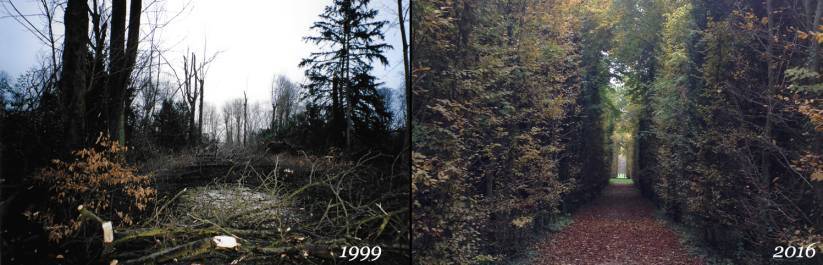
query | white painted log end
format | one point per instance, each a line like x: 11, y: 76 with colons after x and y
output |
x: 225, y: 242
x: 108, y: 232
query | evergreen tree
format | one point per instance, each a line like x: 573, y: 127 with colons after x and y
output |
x: 352, y: 38
x: 170, y: 123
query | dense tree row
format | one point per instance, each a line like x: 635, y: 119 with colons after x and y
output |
x: 715, y: 104
x: 726, y: 106
x: 503, y: 92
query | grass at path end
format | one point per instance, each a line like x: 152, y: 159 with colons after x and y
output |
x: 613, y: 181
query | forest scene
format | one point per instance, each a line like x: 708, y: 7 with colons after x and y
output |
x: 617, y: 132
x: 204, y: 132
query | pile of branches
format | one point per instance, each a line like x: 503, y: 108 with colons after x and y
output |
x: 293, y: 209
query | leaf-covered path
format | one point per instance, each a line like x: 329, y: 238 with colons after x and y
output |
x: 619, y: 227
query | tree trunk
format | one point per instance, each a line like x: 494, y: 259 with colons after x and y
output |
x: 273, y: 123
x: 227, y: 122
x: 73, y: 79
x: 97, y: 94
x: 348, y: 83
x: 349, y: 108
x: 335, y: 105
x: 407, y: 73
x: 245, y: 117
x: 200, y: 124
x: 122, y: 62
x: 192, y: 98
x: 117, y: 65
x: 131, y: 59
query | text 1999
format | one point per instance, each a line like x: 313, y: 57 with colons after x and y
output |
x: 363, y: 253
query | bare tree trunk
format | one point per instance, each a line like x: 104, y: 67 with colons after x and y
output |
x: 407, y: 73
x: 245, y: 117
x: 405, y: 44
x: 122, y: 62
x: 200, y: 125
x: 238, y: 121
x: 273, y: 122
x: 227, y: 124
x: 117, y: 64
x: 191, y: 95
x: 73, y: 79
x: 49, y: 12
x: 99, y: 80
x: 131, y: 58
x: 147, y: 107
x: 193, y: 100
x: 190, y: 91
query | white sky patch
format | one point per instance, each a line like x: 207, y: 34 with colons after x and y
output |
x: 256, y: 41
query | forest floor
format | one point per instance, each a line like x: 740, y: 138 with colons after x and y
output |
x: 619, y: 227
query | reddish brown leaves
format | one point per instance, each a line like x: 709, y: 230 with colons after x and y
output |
x: 617, y: 228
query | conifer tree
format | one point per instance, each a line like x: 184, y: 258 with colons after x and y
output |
x: 352, y: 39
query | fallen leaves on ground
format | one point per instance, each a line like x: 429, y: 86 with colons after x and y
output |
x: 618, y: 228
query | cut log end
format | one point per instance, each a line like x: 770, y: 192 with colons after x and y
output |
x: 108, y: 232
x: 225, y: 242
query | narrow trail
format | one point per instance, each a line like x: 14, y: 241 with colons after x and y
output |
x: 619, y: 227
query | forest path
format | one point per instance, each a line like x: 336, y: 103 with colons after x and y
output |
x: 619, y: 227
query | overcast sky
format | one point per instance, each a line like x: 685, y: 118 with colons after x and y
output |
x: 256, y: 40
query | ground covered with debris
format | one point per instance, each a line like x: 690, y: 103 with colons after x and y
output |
x: 253, y: 209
